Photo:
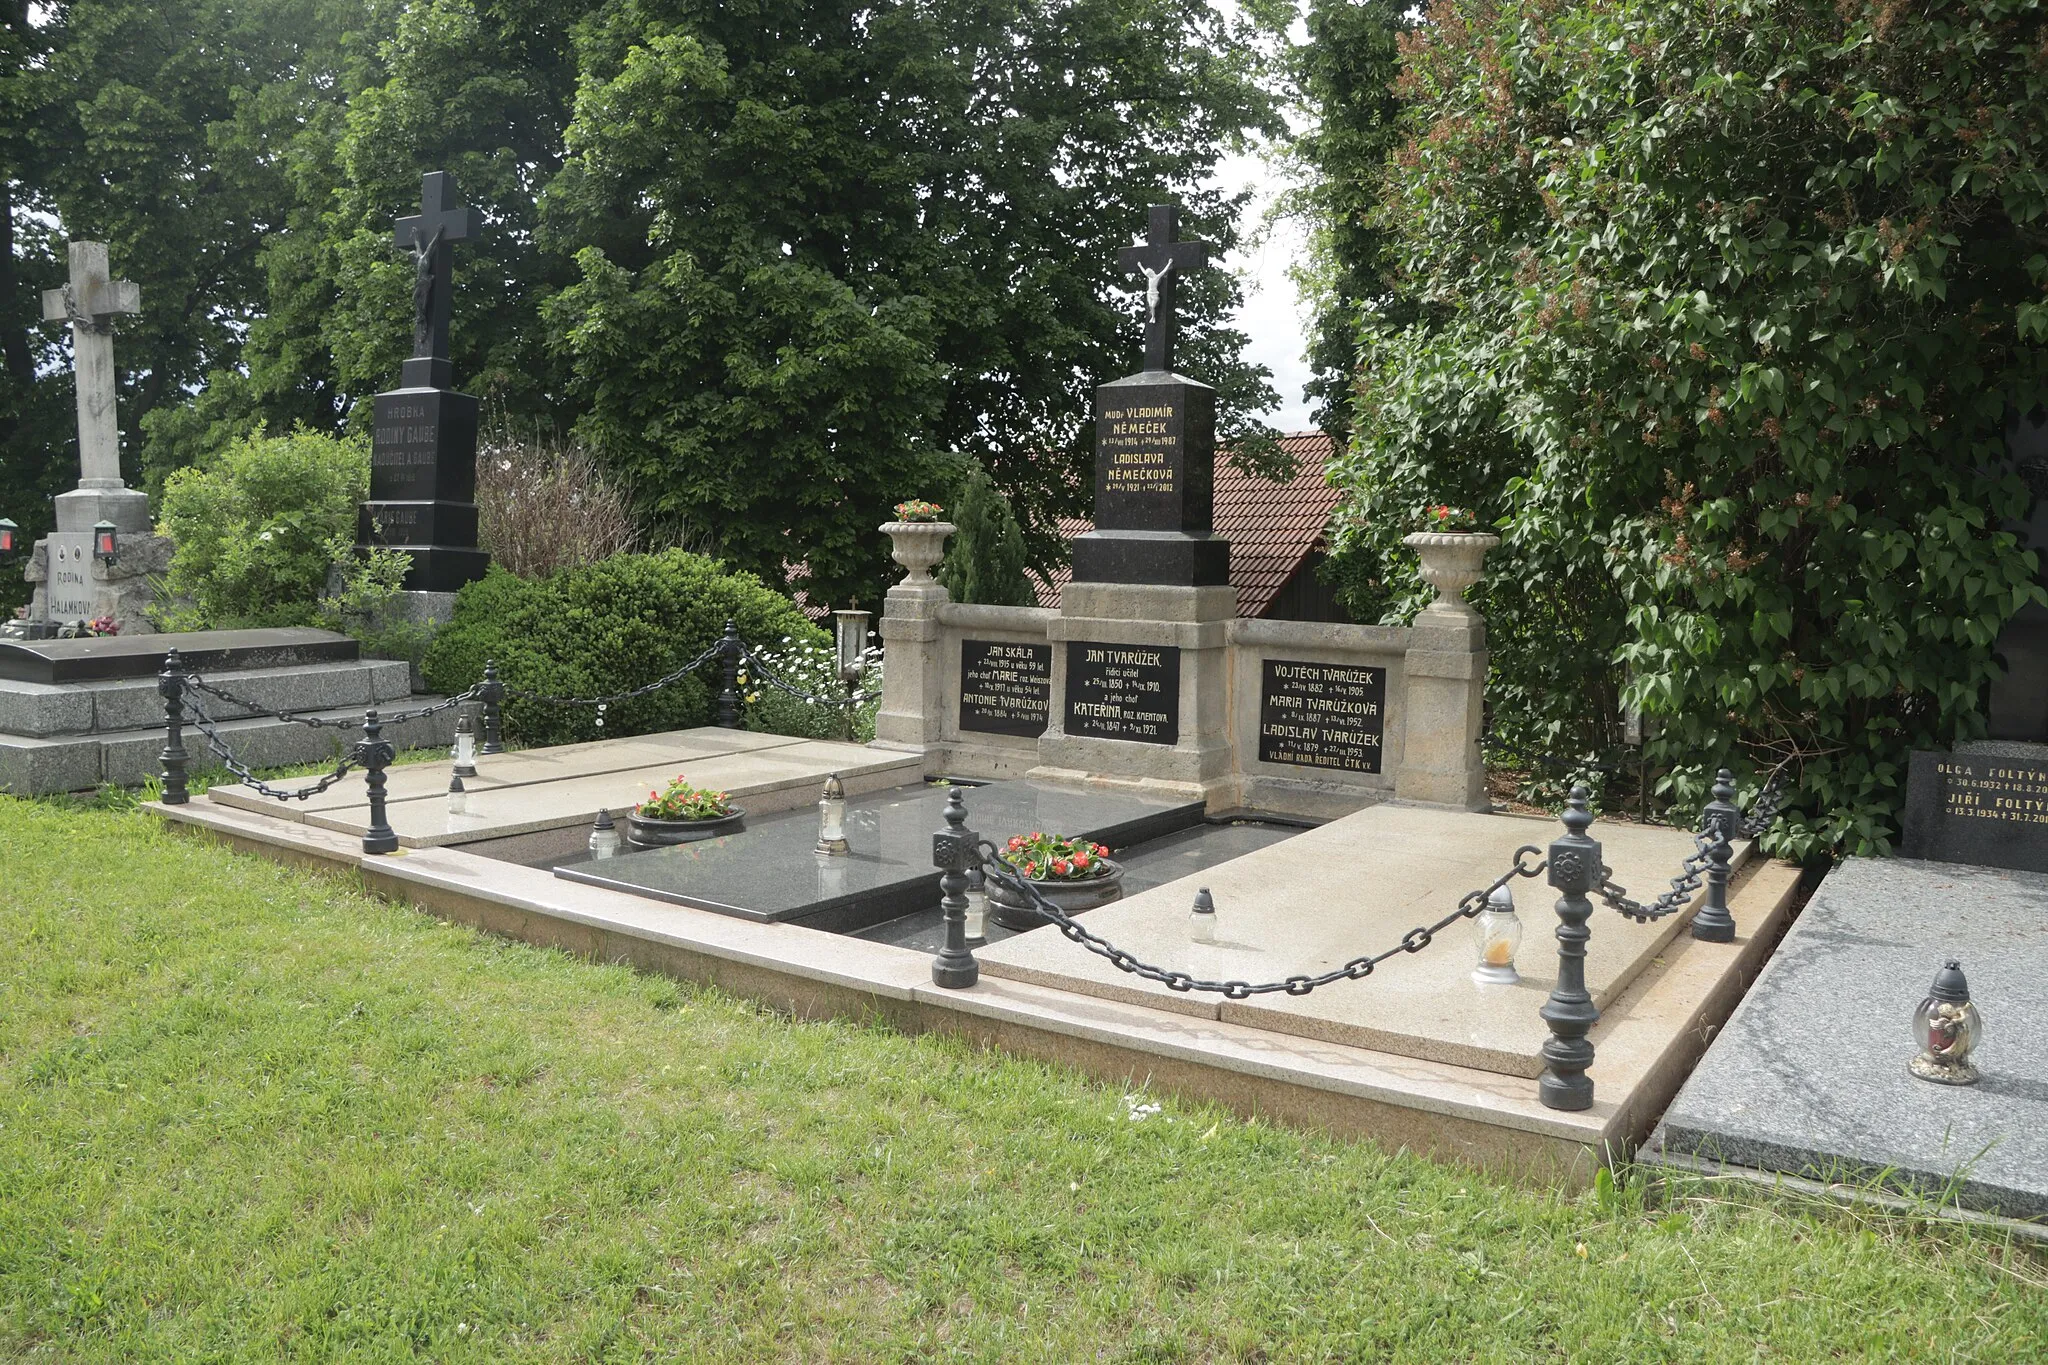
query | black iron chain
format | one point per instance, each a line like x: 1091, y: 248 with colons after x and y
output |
x: 665, y: 680
x: 1001, y: 869
x: 1693, y: 871
x: 205, y: 725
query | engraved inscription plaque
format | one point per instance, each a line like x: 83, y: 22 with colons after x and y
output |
x: 1322, y: 715
x: 1123, y: 692
x: 1984, y: 809
x: 69, y: 591
x: 1005, y: 689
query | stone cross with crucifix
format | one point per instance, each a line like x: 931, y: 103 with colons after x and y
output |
x: 89, y: 303
x: 423, y: 433
x: 429, y: 237
x: 1164, y: 262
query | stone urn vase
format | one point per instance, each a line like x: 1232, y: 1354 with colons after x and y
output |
x: 918, y: 546
x: 645, y: 832
x: 1452, y: 561
x: 1010, y: 909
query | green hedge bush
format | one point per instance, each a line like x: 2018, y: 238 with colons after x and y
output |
x: 257, y: 525
x: 1721, y: 310
x: 605, y: 628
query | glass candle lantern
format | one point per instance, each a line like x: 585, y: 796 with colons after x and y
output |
x: 832, y: 817
x: 10, y: 535
x: 1947, y: 1027
x: 1499, y: 932
x: 977, y: 906
x: 106, y: 542
x: 1202, y: 918
x: 464, y: 752
x: 458, y: 796
x: 604, y: 836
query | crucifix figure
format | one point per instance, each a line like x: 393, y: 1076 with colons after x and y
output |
x: 1163, y: 261
x: 429, y: 237
x: 90, y: 303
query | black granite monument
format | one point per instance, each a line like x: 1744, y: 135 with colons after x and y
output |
x: 1155, y: 444
x: 423, y: 445
x: 1986, y: 806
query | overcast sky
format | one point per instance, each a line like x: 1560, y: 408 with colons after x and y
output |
x: 1272, y: 315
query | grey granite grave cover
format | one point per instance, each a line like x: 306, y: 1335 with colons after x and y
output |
x: 1809, y: 1077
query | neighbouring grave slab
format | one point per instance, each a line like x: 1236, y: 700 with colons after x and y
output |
x: 1986, y: 806
x: 142, y: 656
x: 1809, y: 1077
x: 771, y: 871
x: 1355, y: 886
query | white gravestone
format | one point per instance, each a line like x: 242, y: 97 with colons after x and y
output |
x: 75, y: 585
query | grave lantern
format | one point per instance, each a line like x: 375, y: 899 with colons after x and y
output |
x: 1202, y: 918
x: 458, y: 796
x: 1499, y: 931
x: 832, y: 817
x: 977, y: 904
x: 464, y: 752
x: 604, y: 836
x: 1947, y: 1027
x: 10, y: 536
x: 852, y: 640
x: 106, y: 542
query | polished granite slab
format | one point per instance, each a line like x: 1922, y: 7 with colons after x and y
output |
x: 1809, y: 1077
x: 770, y: 871
x: 1180, y: 854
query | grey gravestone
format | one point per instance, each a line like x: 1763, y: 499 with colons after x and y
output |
x: 1316, y: 715
x: 2019, y: 700
x: 423, y: 439
x: 1155, y: 444
x: 1005, y: 688
x: 1809, y: 1077
x: 1129, y: 692
x: 1986, y: 809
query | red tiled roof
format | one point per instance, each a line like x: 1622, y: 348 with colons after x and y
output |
x: 1271, y: 527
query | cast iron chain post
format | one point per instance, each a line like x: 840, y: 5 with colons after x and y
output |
x: 171, y: 684
x: 1722, y: 818
x: 376, y: 754
x: 953, y: 852
x: 491, y: 693
x: 1574, y: 869
x: 729, y: 649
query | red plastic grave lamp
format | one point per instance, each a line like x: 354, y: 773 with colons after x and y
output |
x: 10, y: 536
x: 106, y: 542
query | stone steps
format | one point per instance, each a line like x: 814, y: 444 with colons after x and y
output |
x: 37, y: 764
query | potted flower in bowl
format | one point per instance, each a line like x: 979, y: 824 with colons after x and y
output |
x: 681, y: 814
x: 1452, y: 549
x: 1074, y: 874
x: 917, y: 538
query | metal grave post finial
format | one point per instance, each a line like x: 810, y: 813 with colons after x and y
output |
x: 953, y: 852
x: 1719, y: 823
x: 1575, y: 868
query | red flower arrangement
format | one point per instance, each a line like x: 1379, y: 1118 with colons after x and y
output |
x: 1056, y: 858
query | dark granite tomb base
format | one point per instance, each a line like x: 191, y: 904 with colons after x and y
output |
x: 1809, y: 1077
x: 1156, y: 557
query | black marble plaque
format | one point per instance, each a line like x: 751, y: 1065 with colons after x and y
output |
x: 423, y: 485
x: 1005, y: 689
x: 1315, y: 715
x: 1984, y: 809
x: 1123, y: 692
x: 1155, y: 456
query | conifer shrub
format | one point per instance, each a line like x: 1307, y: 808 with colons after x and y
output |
x: 985, y: 559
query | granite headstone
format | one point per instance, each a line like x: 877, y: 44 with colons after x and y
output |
x: 1005, y: 687
x: 1316, y: 715
x: 1129, y: 692
x: 1988, y: 808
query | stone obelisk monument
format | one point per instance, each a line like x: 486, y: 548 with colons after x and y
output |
x: 75, y: 580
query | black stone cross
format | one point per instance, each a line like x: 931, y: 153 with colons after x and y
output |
x: 429, y: 237
x: 1162, y: 261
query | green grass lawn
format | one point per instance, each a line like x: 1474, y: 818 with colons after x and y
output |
x: 248, y: 1113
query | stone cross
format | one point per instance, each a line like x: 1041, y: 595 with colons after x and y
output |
x: 90, y: 303
x: 429, y: 237
x: 1162, y: 261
